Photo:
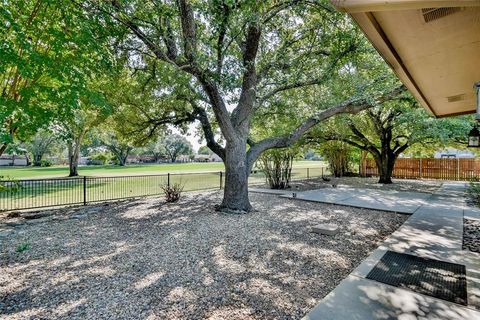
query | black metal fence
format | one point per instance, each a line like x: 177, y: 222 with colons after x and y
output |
x: 38, y: 193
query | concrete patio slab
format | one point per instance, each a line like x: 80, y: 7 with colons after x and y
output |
x: 435, y: 231
x: 387, y: 200
x: 471, y: 213
x: 327, y: 195
x: 358, y: 298
x: 272, y: 191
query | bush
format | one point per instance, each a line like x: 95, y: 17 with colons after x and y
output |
x: 101, y: 158
x: 46, y: 163
x: 173, y: 191
x: 277, y: 167
x: 339, y: 157
x: 23, y: 247
x: 8, y: 184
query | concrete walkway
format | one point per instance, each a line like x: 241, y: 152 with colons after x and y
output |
x: 435, y: 231
x: 386, y: 200
x: 271, y: 191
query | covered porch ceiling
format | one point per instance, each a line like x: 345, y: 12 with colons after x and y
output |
x: 433, y: 47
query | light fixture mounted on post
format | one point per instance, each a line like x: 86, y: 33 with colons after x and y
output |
x: 474, y: 135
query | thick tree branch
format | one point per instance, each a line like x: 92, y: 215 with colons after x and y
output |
x: 350, y: 106
x: 315, y: 81
x: 243, y: 111
x: 201, y: 115
x: 369, y: 148
x: 188, y: 30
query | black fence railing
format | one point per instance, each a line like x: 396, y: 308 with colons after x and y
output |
x: 38, y: 193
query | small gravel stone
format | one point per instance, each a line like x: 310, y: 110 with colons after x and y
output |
x: 425, y: 186
x: 145, y: 259
x: 471, y: 235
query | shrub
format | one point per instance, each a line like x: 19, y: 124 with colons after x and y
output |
x: 339, y: 157
x: 101, y: 157
x: 277, y: 167
x: 23, y: 247
x: 46, y: 163
x: 8, y: 184
x: 172, y: 191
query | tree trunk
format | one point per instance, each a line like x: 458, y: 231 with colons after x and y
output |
x: 37, y: 160
x: 122, y: 160
x: 73, y: 154
x: 363, y: 162
x: 235, y: 195
x: 3, y: 147
x: 385, y: 168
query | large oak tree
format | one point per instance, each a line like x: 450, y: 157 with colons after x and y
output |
x: 220, y: 62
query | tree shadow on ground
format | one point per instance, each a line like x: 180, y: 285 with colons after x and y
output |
x: 146, y: 258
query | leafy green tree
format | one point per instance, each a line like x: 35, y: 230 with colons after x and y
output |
x: 41, y: 143
x: 92, y: 112
x: 222, y: 62
x: 119, y: 146
x: 389, y: 130
x: 176, y: 145
x: 155, y: 149
x: 205, y: 150
x: 49, y: 53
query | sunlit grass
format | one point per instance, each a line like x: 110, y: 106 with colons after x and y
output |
x: 110, y: 170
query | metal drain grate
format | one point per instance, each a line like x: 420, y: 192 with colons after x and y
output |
x: 439, y: 279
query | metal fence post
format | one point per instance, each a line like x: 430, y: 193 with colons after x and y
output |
x: 221, y: 180
x: 168, y: 179
x: 308, y: 173
x: 322, y: 172
x: 84, y: 190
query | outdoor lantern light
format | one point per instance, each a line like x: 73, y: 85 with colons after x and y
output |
x: 474, y: 138
x: 474, y: 135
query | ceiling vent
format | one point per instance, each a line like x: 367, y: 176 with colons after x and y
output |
x: 458, y: 97
x: 431, y: 14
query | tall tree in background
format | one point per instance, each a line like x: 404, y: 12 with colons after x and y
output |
x: 93, y: 111
x: 389, y: 130
x: 204, y: 150
x: 175, y: 145
x: 155, y: 148
x: 48, y: 55
x: 39, y: 145
x: 118, y: 145
x: 220, y: 62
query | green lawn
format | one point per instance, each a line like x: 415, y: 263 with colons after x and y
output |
x: 108, y: 171
x: 111, y: 182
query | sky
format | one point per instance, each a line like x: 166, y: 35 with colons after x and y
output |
x: 190, y: 136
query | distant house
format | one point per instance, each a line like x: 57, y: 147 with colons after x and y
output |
x: 454, y: 153
x: 11, y: 160
x: 207, y: 158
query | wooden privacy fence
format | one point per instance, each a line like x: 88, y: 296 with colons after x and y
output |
x: 429, y: 168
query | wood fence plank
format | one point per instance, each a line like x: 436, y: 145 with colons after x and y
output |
x: 429, y: 168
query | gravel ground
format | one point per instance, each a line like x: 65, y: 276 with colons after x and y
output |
x: 145, y: 259
x: 426, y: 186
x: 471, y: 235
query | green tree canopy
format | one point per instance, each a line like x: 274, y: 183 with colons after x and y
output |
x: 50, y: 52
x: 222, y: 62
x: 391, y: 129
